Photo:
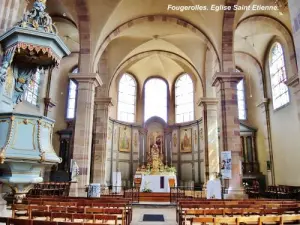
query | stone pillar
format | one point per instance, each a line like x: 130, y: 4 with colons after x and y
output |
x: 228, y: 121
x: 209, y: 136
x: 83, y: 129
x: 100, y: 173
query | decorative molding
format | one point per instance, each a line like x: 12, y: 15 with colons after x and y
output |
x: 264, y: 101
x: 293, y: 81
x: 207, y: 101
x: 86, y: 78
x: 227, y: 77
x: 103, y: 101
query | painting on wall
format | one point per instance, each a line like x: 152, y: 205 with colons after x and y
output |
x: 186, y: 140
x: 124, y: 139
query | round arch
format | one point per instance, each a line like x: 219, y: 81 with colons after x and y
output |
x: 168, y: 19
x: 142, y: 55
x: 283, y: 31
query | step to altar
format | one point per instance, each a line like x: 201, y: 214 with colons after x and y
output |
x: 154, y: 197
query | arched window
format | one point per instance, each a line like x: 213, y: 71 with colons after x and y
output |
x: 72, y: 97
x: 241, y: 98
x: 127, y: 98
x: 280, y: 94
x: 32, y: 92
x: 156, y: 98
x: 184, y: 99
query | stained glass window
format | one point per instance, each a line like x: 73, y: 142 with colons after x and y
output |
x: 127, y: 98
x: 280, y: 94
x: 72, y: 97
x: 32, y: 92
x: 156, y: 99
x: 241, y: 98
x: 184, y: 99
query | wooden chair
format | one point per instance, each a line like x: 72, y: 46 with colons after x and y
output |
x: 270, y: 219
x: 40, y: 222
x: 248, y: 220
x: 106, y: 218
x: 20, y: 210
x: 225, y: 220
x: 60, y: 216
x: 202, y: 220
x: 84, y: 218
x: 14, y: 221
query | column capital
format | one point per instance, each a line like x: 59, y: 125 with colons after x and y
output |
x: 87, y: 78
x: 227, y: 77
x: 207, y: 101
x: 104, y: 101
x: 264, y: 101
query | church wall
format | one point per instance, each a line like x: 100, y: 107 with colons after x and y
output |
x: 285, y: 135
x: 118, y: 159
x: 255, y: 117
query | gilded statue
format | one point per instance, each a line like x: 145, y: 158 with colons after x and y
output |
x: 156, y: 160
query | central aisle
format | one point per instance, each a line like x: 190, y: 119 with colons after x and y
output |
x: 168, y: 212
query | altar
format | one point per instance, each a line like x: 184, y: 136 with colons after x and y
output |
x: 157, y: 183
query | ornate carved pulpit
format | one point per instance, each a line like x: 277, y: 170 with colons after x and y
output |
x: 26, y: 140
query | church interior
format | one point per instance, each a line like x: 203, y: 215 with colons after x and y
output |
x: 154, y: 101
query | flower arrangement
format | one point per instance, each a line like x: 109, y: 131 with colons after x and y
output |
x: 171, y: 169
x: 146, y: 188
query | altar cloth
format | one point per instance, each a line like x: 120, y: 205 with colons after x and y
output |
x: 153, y: 182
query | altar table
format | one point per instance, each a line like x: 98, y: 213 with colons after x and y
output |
x: 157, y: 183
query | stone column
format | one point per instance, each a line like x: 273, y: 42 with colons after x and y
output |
x: 83, y: 129
x: 209, y: 135
x: 100, y: 173
x: 228, y: 121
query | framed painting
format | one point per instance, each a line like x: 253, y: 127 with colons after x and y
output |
x: 186, y: 140
x: 124, y: 139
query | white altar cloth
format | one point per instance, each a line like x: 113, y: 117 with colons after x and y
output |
x: 153, y: 182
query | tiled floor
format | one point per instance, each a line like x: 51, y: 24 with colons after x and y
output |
x: 169, y: 213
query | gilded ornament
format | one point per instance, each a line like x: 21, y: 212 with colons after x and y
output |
x: 12, y: 118
x: 43, y: 157
x: 2, y: 156
x: 9, y: 81
x: 25, y: 121
x: 21, y: 80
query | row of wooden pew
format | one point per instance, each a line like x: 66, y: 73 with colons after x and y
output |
x: 187, y: 210
x: 116, y: 211
x: 253, y: 220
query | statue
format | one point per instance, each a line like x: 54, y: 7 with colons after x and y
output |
x: 156, y: 160
x: 3, y: 72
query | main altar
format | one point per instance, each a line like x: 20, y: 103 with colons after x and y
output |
x: 155, y: 176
